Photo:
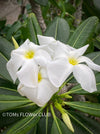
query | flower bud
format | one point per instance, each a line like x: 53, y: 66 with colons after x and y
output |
x: 15, y: 43
x: 67, y: 121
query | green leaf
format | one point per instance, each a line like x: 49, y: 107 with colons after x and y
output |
x: 5, y: 51
x: 7, y: 84
x: 8, y: 88
x: 8, y: 91
x: 2, y: 23
x: 83, y: 32
x: 83, y: 124
x: 11, y: 116
x: 31, y: 29
x: 5, y: 47
x: 41, y: 127
x: 3, y: 70
x: 42, y: 2
x: 33, y: 130
x: 8, y: 102
x: 96, y: 43
x: 62, y: 127
x: 87, y: 107
x: 14, y: 28
x: 24, y: 125
x: 36, y: 24
x: 95, y: 57
x: 59, y: 29
x: 97, y: 4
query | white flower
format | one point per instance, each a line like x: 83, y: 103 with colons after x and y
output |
x: 27, y: 52
x: 35, y: 85
x: 51, y: 45
x: 68, y: 61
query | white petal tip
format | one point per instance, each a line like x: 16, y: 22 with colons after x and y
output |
x: 93, y: 90
x: 90, y: 90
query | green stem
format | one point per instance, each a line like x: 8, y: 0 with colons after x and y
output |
x: 59, y: 107
x: 73, y: 91
x: 55, y: 119
x: 70, y: 15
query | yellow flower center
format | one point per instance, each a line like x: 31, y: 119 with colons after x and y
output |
x: 29, y: 54
x: 39, y: 77
x: 73, y: 61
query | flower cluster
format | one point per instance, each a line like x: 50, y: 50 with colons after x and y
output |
x: 42, y: 69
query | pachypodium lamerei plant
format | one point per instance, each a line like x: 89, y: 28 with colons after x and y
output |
x: 41, y: 71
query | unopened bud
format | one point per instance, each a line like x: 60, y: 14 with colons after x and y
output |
x: 67, y: 121
x: 15, y: 43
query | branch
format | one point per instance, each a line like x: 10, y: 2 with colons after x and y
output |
x: 78, y: 14
x: 37, y: 10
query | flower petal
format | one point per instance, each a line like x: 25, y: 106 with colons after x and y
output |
x: 30, y: 93
x: 49, y: 44
x: 45, y: 91
x: 42, y: 58
x: 20, y: 86
x: 90, y: 63
x: 43, y: 72
x: 79, y: 52
x: 45, y: 40
x: 58, y: 71
x: 60, y: 51
x: 28, y: 74
x: 13, y: 65
x: 43, y: 53
x: 85, y: 76
x: 24, y: 44
x: 27, y: 45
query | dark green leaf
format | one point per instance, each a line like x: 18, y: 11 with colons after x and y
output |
x: 95, y: 57
x: 63, y: 128
x: 8, y: 91
x: 24, y: 125
x: 83, y: 32
x: 11, y: 116
x: 31, y: 29
x: 87, y: 107
x: 42, y: 126
x: 2, y: 23
x: 97, y: 4
x: 33, y: 130
x: 8, y: 102
x: 7, y: 84
x: 14, y: 28
x: 96, y: 43
x: 59, y: 29
x: 5, y: 47
x: 36, y: 24
x: 3, y: 70
x: 83, y: 124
